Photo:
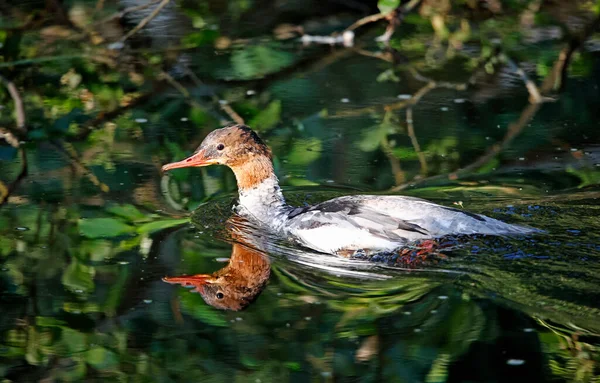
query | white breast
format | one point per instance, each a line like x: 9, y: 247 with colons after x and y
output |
x: 264, y: 203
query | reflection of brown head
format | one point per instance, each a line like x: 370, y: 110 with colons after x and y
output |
x: 236, y: 285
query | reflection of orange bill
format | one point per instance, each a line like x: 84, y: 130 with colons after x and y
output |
x: 198, y: 281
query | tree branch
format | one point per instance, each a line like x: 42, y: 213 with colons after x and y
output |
x: 69, y: 152
x: 413, y: 139
x: 145, y: 20
x: 534, y: 93
x: 120, y: 15
x: 399, y: 175
x: 6, y: 191
x: 12, y: 140
x: 19, y: 111
x: 224, y: 106
x: 380, y: 16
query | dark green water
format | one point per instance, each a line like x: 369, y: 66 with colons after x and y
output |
x: 89, y: 226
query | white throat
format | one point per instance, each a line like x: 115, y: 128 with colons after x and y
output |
x: 264, y: 203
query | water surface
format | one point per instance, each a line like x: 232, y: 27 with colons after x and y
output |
x: 89, y: 226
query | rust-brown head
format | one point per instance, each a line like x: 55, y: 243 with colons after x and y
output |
x: 237, y: 147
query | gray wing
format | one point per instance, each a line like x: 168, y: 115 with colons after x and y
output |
x: 350, y: 213
x: 399, y: 218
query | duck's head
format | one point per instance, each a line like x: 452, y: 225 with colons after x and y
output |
x: 237, y: 147
x: 232, y: 146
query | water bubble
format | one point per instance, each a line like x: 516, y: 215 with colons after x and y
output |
x: 141, y: 120
x: 434, y: 311
x: 116, y: 46
x: 345, y: 100
x: 444, y: 108
x: 308, y: 318
x: 459, y: 100
x: 250, y: 92
x: 183, y: 119
x: 521, y: 158
x: 239, y: 319
x: 404, y: 96
x: 147, y: 301
x: 223, y: 102
x: 528, y: 329
x: 443, y: 297
x: 222, y: 259
x: 287, y: 325
x: 407, y: 313
x: 79, y: 291
x: 417, y: 330
x: 21, y: 228
x: 515, y: 362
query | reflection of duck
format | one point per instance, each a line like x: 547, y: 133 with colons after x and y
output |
x: 339, y: 226
x: 236, y: 285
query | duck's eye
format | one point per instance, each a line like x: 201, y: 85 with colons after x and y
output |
x: 220, y: 147
x: 220, y: 296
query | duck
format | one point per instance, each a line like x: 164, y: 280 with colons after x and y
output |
x: 346, y: 225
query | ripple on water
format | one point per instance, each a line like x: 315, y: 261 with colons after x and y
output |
x: 532, y: 269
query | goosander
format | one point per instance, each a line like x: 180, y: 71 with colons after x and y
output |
x: 341, y: 226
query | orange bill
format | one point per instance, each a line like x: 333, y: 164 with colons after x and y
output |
x: 197, y: 159
x: 198, y: 281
